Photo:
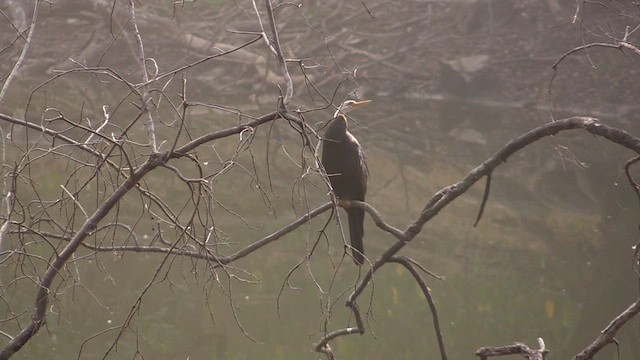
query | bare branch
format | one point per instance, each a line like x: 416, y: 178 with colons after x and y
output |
x: 175, y: 216
x: 282, y: 64
x: 409, y: 265
x: 151, y: 133
x: 485, y: 197
x: 8, y: 192
x: 607, y: 336
x: 25, y: 48
x: 278, y: 234
x: 203, y: 60
x: 446, y: 195
x: 42, y: 297
x: 184, y: 149
x: 530, y: 354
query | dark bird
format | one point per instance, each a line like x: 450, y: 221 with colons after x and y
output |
x: 344, y: 162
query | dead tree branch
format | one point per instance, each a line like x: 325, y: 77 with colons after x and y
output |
x: 91, y: 224
x: 130, y: 159
x: 42, y: 297
x: 282, y: 63
x: 522, y: 349
x: 411, y: 266
x: 23, y: 53
x: 607, y: 336
x: 448, y: 194
x: 142, y: 62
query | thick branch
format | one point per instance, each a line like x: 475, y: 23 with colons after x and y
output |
x: 25, y: 48
x: 409, y: 265
x: 448, y: 194
x: 42, y: 296
x: 282, y: 64
x: 146, y: 99
x: 524, y: 350
x: 155, y: 160
x: 607, y: 336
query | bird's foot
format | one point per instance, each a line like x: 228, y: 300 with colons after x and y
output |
x: 345, y: 204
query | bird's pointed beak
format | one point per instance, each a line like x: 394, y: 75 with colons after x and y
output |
x: 360, y: 103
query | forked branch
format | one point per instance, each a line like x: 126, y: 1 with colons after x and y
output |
x: 522, y: 349
x: 91, y: 224
x: 607, y: 336
x: 448, y: 194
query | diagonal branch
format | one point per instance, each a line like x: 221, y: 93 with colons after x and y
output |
x: 25, y: 48
x: 530, y: 354
x: 90, y: 225
x: 146, y: 98
x: 282, y: 64
x: 191, y: 145
x: 42, y: 297
x: 448, y: 194
x: 409, y: 265
x: 607, y: 336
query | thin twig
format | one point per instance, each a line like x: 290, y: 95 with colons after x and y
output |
x: 607, y: 336
x: 409, y: 265
x: 448, y: 194
x: 146, y: 99
x: 86, y: 216
x: 25, y: 48
x: 105, y: 112
x: 8, y: 192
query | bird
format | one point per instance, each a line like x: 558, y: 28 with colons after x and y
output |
x: 344, y: 162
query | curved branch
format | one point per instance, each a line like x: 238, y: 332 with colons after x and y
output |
x: 377, y: 218
x: 485, y: 197
x: 623, y: 44
x: 146, y: 98
x: 200, y: 61
x: 323, y: 345
x: 25, y: 48
x: 627, y: 170
x: 90, y: 225
x: 191, y: 145
x: 522, y: 349
x: 278, y: 234
x: 409, y: 265
x: 607, y: 336
x: 42, y: 297
x: 446, y: 195
x: 282, y: 64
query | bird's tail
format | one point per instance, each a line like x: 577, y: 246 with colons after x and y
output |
x: 356, y: 232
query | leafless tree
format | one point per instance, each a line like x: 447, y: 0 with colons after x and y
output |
x: 126, y: 160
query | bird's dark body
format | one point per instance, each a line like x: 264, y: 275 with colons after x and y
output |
x: 344, y: 162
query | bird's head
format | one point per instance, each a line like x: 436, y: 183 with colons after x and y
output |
x: 350, y: 105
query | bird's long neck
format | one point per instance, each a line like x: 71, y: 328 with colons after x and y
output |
x: 337, y: 129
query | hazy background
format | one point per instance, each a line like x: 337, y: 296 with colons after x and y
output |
x: 451, y: 82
